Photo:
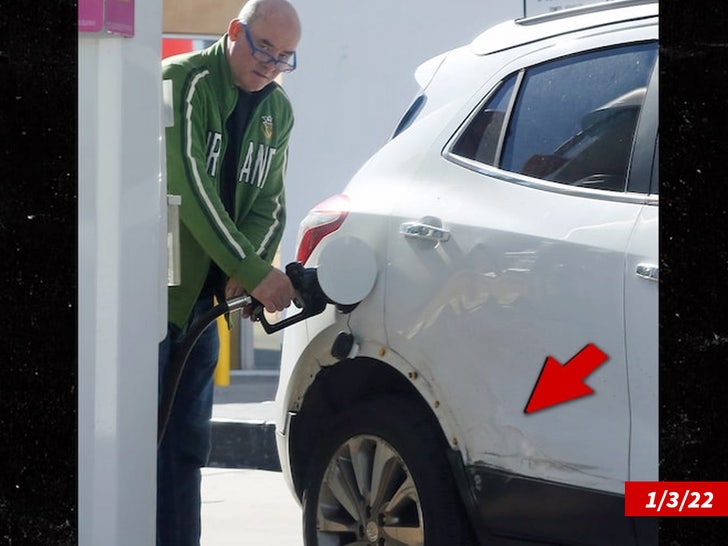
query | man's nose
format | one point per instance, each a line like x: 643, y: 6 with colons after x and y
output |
x: 270, y: 69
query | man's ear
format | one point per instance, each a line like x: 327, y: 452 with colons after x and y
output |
x: 234, y: 29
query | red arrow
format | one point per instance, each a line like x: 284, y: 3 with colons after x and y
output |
x: 560, y: 383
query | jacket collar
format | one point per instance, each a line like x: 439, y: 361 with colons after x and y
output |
x: 218, y: 58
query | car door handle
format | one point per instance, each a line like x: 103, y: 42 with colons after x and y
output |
x: 648, y: 271
x: 420, y: 230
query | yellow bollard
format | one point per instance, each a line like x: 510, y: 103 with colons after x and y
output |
x: 222, y: 370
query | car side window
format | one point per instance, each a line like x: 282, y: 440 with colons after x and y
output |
x: 573, y: 120
x: 410, y: 115
x: 480, y: 139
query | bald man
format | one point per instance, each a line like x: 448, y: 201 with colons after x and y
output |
x: 226, y: 157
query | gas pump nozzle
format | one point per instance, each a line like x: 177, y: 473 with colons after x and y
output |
x: 311, y: 300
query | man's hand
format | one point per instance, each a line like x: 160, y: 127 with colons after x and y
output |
x: 233, y: 289
x: 275, y: 292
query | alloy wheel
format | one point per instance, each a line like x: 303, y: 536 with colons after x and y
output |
x: 368, y: 496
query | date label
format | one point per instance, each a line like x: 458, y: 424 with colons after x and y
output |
x: 676, y: 499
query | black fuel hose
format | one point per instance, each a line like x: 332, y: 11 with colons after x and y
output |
x: 310, y: 299
x: 176, y: 367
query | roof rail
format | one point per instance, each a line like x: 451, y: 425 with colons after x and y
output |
x: 605, y: 5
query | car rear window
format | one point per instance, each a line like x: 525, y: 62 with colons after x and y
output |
x: 573, y: 120
x: 480, y: 141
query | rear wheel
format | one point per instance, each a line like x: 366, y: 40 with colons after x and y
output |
x: 382, y: 478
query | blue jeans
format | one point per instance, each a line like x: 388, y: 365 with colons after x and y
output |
x: 186, y: 444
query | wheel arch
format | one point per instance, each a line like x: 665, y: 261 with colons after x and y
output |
x: 343, y: 385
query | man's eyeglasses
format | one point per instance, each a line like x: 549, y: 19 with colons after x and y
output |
x: 264, y: 57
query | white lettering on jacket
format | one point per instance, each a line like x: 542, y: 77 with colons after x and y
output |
x: 257, y: 164
x: 214, y: 145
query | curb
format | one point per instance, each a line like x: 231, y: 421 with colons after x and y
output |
x: 244, y: 444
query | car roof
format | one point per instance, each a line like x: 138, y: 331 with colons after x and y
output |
x: 518, y: 32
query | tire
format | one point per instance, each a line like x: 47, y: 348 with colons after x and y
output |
x: 381, y: 477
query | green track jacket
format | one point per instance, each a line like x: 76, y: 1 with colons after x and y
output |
x: 201, y: 95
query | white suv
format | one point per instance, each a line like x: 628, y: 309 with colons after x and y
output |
x: 498, y: 384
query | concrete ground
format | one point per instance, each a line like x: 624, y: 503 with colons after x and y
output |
x: 245, y: 499
x: 242, y: 506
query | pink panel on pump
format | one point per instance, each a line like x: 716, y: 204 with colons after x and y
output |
x: 90, y: 15
x: 113, y: 16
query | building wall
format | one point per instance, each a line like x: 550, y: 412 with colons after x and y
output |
x: 209, y: 17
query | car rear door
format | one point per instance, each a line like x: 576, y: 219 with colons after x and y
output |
x: 492, y: 271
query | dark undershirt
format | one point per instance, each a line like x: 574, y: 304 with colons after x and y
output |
x: 234, y: 129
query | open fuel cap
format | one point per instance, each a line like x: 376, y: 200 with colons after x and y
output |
x: 347, y: 270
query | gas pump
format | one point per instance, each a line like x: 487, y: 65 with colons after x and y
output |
x: 122, y: 268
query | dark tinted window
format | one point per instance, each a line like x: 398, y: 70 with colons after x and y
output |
x: 410, y: 115
x: 480, y: 139
x: 575, y: 118
x: 573, y: 121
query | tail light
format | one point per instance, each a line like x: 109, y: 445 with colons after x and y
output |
x: 323, y: 219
